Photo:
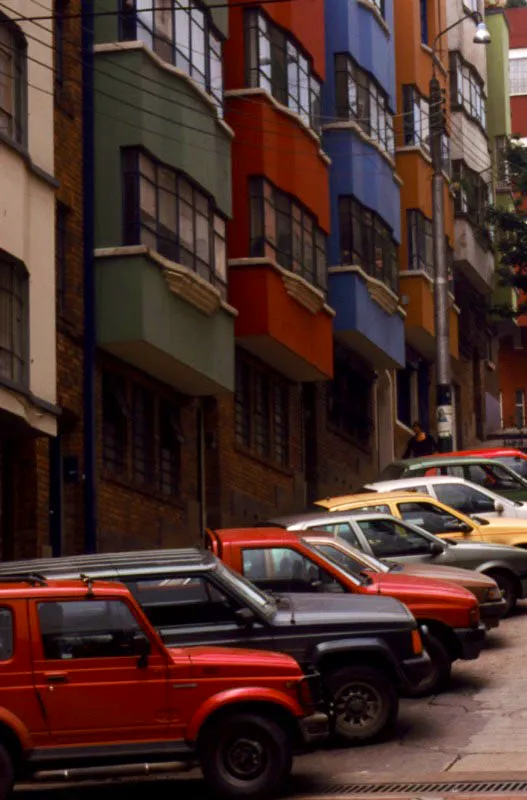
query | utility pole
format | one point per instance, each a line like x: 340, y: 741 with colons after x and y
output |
x: 441, y: 299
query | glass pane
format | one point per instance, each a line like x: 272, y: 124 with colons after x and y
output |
x: 182, y: 30
x: 202, y: 238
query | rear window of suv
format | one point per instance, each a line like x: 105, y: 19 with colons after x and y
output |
x: 6, y: 634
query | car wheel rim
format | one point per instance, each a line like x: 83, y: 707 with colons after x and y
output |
x: 245, y: 758
x: 357, y: 707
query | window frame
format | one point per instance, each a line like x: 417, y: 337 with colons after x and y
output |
x: 360, y: 229
x: 17, y: 46
x: 184, y: 195
x: 150, y: 468
x: 473, y: 103
x: 275, y: 73
x: 416, y: 125
x: 258, y: 428
x: 361, y: 99
x: 18, y: 292
x: 278, y: 222
x: 139, y: 24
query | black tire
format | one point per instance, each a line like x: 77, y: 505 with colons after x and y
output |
x: 7, y: 775
x: 441, y: 669
x: 508, y: 589
x: 245, y: 755
x: 365, y: 703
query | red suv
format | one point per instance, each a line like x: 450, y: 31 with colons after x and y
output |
x: 282, y: 562
x: 89, y: 690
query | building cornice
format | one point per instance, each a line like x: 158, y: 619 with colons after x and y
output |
x: 302, y: 291
x: 181, y: 280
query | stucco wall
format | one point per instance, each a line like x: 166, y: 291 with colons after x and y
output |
x: 27, y: 199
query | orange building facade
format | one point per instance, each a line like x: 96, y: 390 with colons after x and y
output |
x: 416, y: 26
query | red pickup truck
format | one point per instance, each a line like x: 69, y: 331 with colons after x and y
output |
x: 88, y: 690
x: 282, y: 562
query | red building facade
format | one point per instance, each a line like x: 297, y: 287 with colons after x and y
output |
x: 277, y: 257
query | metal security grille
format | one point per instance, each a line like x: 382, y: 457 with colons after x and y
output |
x: 451, y: 788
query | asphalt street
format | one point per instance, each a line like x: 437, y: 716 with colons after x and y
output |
x: 474, y: 731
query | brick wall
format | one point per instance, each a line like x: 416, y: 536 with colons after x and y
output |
x: 131, y: 517
x: 70, y: 278
x: 243, y: 488
x: 342, y: 466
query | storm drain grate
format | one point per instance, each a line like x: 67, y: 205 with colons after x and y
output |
x: 446, y: 787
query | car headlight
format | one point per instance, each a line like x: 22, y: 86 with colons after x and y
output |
x: 493, y: 594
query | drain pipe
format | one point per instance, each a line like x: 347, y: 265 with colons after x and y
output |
x: 90, y: 488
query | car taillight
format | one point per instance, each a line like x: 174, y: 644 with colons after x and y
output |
x: 474, y: 616
x: 417, y: 642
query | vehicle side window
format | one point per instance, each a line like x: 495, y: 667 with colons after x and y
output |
x: 88, y: 629
x: 453, y: 470
x: 430, y: 517
x: 344, y: 530
x: 373, y: 509
x: 464, y: 498
x: 387, y: 538
x: 183, y: 601
x: 288, y: 570
x: 6, y: 634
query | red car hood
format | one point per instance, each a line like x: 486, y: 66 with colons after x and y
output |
x: 211, y: 661
x: 412, y: 589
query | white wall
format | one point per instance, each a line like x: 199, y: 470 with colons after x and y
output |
x: 27, y: 204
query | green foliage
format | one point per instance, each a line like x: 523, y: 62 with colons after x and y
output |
x: 516, y: 3
x: 510, y: 226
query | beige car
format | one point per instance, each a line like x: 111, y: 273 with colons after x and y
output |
x: 432, y: 515
x: 482, y: 586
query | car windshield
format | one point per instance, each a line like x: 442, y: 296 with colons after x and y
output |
x: 242, y: 586
x: 519, y: 465
x: 496, y: 477
x: 348, y: 561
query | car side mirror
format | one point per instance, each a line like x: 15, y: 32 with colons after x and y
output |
x: 499, y: 508
x: 142, y: 648
x: 245, y: 617
x: 436, y: 549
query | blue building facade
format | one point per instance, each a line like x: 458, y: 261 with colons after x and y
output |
x: 358, y: 105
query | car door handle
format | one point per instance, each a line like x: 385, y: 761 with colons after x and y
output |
x: 56, y: 677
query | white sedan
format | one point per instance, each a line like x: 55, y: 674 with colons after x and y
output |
x: 467, y: 497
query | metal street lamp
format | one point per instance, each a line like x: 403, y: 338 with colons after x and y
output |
x: 441, y: 300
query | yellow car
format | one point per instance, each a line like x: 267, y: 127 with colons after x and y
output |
x: 433, y: 516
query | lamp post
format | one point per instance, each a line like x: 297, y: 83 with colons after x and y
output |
x: 441, y: 300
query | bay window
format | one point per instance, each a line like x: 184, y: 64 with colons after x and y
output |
x: 366, y: 241
x: 467, y: 90
x: 180, y: 32
x: 283, y: 230
x: 361, y: 99
x: 416, y: 118
x: 474, y: 194
x: 277, y: 64
x: 164, y: 211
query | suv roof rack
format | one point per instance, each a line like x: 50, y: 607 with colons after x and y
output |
x: 33, y: 578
